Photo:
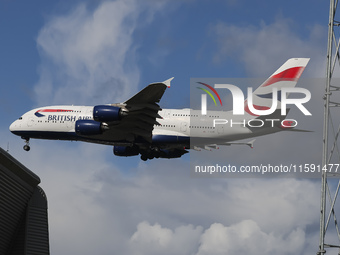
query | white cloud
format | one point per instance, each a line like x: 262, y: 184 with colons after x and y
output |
x: 88, y: 55
x: 98, y: 206
x: 238, y: 238
x: 152, y: 235
x: 155, y: 239
x: 247, y: 237
x: 263, y: 47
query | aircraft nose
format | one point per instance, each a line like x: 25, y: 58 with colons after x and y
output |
x: 13, y: 127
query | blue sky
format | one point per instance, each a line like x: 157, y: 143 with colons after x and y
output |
x: 95, y: 52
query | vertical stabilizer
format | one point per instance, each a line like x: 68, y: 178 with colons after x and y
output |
x: 286, y: 76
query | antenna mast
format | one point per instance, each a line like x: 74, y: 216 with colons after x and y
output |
x: 331, y: 154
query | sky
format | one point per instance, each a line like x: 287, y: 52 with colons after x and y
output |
x: 97, y: 52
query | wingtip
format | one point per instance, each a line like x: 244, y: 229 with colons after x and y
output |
x: 168, y: 81
x: 251, y: 143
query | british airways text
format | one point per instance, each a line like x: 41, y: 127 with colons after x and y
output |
x: 67, y: 118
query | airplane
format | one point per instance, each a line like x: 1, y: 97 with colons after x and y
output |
x: 140, y: 127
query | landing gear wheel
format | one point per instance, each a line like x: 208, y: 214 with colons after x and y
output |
x: 143, y: 157
x: 27, y: 145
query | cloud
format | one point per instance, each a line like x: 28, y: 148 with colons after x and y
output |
x: 261, y: 47
x: 246, y: 236
x: 88, y: 55
x: 167, y: 209
x: 98, y: 206
x: 155, y: 239
x: 238, y: 238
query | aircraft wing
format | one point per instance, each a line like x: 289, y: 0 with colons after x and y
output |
x: 151, y: 94
x: 141, y: 113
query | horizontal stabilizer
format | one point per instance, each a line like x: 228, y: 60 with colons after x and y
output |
x: 298, y: 130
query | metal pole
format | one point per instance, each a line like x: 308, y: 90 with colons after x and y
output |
x: 325, y: 130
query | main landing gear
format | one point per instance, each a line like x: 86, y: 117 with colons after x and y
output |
x: 152, y: 152
x: 27, y: 145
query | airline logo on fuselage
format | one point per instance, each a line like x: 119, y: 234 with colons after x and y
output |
x: 60, y: 117
x: 39, y: 114
x: 67, y: 118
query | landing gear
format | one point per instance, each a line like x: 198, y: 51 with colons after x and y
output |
x: 27, y: 145
x: 144, y: 157
x: 151, y: 153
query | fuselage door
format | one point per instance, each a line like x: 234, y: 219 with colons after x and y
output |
x: 220, y: 129
x: 30, y: 122
x: 167, y: 114
x: 184, y: 126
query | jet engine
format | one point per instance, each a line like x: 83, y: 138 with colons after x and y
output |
x: 172, y: 153
x: 125, y: 151
x: 161, y: 153
x: 89, y: 127
x: 107, y: 113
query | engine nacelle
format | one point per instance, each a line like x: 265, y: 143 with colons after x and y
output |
x: 88, y: 127
x: 161, y: 153
x: 107, y: 113
x: 172, y: 153
x: 125, y: 151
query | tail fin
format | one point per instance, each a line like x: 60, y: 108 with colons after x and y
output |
x: 286, y: 76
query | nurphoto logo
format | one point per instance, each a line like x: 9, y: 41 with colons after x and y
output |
x: 240, y: 105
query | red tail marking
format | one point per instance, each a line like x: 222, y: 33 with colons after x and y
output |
x: 291, y: 74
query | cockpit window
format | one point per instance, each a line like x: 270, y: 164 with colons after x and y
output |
x: 20, y: 118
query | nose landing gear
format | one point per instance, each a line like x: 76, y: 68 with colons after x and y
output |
x: 27, y: 145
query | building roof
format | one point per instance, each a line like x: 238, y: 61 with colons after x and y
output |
x: 23, y: 209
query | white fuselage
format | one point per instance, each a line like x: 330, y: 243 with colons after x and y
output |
x: 58, y: 122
